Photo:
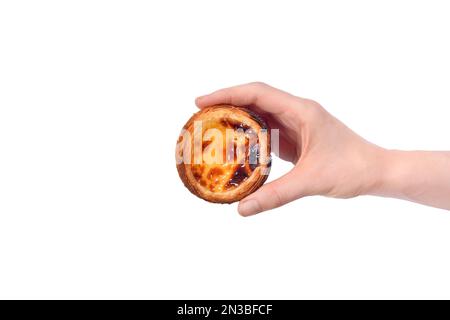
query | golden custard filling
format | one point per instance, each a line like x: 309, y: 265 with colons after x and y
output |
x: 225, y: 164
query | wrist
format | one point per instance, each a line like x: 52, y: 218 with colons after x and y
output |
x: 394, y: 174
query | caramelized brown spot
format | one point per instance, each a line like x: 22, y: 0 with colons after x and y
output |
x: 225, y: 123
x: 228, y: 123
x: 197, y: 171
x: 206, y: 143
x: 238, y: 177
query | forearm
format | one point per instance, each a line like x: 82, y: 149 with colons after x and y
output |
x: 418, y: 176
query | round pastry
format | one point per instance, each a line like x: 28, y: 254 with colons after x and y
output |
x: 223, y: 153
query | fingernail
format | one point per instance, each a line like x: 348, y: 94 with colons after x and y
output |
x: 249, y: 207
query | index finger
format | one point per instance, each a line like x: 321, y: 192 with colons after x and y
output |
x: 260, y: 95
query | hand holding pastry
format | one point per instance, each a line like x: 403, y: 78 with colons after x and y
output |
x: 330, y: 159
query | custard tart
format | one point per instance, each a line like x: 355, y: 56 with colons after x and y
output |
x: 223, y: 153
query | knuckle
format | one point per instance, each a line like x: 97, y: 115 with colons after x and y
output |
x: 313, y: 110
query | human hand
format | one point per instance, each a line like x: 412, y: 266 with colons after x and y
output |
x: 329, y: 158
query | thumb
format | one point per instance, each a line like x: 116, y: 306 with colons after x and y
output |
x: 274, y: 194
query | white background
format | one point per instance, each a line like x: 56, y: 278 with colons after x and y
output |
x: 93, y: 95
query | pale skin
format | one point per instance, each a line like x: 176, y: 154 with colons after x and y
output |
x: 330, y: 159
